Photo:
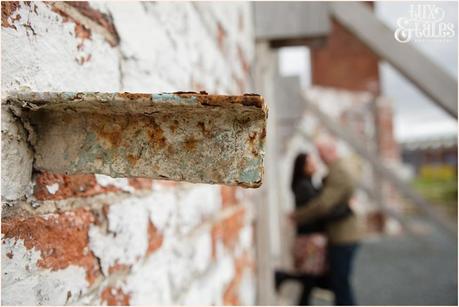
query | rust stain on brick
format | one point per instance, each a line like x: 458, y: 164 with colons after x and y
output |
x: 8, y: 8
x: 115, y: 297
x: 155, y: 239
x: 68, y: 186
x: 61, y: 238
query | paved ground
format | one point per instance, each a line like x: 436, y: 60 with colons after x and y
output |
x: 399, y: 270
x: 404, y: 271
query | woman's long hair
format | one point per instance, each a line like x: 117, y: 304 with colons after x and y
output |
x: 298, y: 169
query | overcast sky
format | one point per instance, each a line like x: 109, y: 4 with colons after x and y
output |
x: 415, y: 115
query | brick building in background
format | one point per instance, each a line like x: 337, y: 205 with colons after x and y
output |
x: 346, y: 63
x: 93, y: 239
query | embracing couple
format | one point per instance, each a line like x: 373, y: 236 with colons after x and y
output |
x: 323, y: 215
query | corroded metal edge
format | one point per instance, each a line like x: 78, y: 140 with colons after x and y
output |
x: 38, y: 100
x: 217, y: 139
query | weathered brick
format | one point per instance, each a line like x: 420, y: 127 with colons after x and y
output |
x: 140, y: 183
x: 61, y: 238
x: 114, y: 297
x: 119, y: 267
x: 228, y: 195
x: 228, y: 230
x: 241, y: 263
x: 165, y: 183
x: 8, y: 8
x: 345, y: 63
x: 155, y: 239
x: 49, y: 186
x: 83, y: 30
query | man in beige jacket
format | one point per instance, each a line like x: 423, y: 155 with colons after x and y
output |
x: 343, y: 233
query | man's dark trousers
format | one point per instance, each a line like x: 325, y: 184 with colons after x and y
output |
x: 341, y: 258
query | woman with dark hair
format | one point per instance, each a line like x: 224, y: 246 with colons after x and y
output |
x: 303, y: 190
x: 309, y: 250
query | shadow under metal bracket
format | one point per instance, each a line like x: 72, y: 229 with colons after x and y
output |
x: 183, y: 136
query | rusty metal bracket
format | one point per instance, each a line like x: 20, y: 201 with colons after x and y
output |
x: 184, y: 136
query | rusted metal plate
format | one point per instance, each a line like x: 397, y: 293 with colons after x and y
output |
x: 183, y: 136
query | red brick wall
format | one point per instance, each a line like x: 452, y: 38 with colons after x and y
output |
x: 345, y: 63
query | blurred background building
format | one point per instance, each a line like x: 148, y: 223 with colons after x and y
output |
x: 323, y: 68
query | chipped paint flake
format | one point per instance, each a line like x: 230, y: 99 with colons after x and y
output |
x: 53, y: 188
x: 24, y: 283
x: 121, y: 183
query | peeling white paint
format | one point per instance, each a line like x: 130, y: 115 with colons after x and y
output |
x: 195, y: 57
x: 126, y: 238
x: 150, y: 283
x: 180, y: 273
x: 47, y: 61
x: 197, y: 203
x: 126, y: 241
x: 210, y: 288
x: 247, y: 291
x: 23, y: 283
x: 246, y: 237
x: 162, y: 205
x: 53, y: 188
x: 120, y: 183
x: 203, y: 252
